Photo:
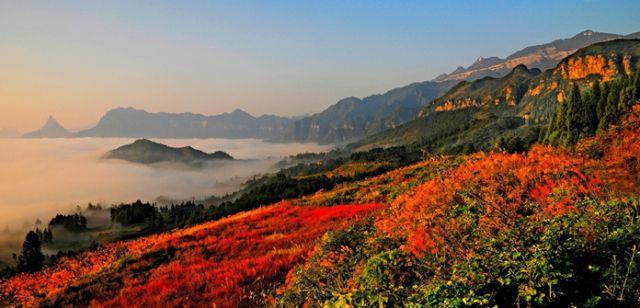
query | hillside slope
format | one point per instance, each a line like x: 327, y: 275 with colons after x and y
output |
x: 235, y: 261
x: 551, y: 227
x: 473, y: 115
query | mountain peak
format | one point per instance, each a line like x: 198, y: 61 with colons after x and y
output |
x: 52, y: 121
x: 586, y: 33
x: 51, y: 129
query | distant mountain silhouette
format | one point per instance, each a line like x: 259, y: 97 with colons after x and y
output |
x: 51, y: 129
x: 144, y: 151
x: 130, y: 122
x: 544, y: 56
x: 354, y: 118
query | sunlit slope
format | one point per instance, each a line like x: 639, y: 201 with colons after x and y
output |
x: 233, y: 261
x: 549, y: 227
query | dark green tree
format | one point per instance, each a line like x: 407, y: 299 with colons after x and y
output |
x: 611, y: 107
x: 602, y: 106
x: 625, y: 100
x: 593, y: 99
x: 635, y: 84
x: 31, y: 258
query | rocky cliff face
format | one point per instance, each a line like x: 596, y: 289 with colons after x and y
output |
x: 543, y: 56
x: 487, y: 91
x: 606, y: 66
x: 603, y: 61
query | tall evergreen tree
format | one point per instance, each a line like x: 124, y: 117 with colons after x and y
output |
x: 577, y: 116
x: 602, y: 102
x: 31, y: 259
x: 594, y: 98
x: 611, y: 107
x: 625, y: 100
x: 635, y: 84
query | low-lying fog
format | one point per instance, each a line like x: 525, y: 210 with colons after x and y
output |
x: 42, y: 177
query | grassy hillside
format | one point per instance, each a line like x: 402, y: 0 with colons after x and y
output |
x: 553, y: 226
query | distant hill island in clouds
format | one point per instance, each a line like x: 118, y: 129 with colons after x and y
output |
x: 146, y: 152
x: 350, y: 119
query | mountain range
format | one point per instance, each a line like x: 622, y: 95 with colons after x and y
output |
x: 349, y: 120
x: 352, y: 118
x: 543, y: 56
x: 473, y: 115
x: 130, y: 122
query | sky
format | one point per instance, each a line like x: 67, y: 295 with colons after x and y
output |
x: 75, y: 60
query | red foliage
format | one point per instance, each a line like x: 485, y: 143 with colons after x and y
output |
x: 505, y: 188
x: 223, y: 263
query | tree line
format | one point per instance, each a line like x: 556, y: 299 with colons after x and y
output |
x: 584, y: 113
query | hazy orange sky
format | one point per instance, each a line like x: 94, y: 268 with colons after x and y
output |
x: 77, y: 59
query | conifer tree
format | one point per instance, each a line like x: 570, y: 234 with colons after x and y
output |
x: 594, y: 99
x: 611, y: 107
x: 31, y: 259
x: 602, y: 105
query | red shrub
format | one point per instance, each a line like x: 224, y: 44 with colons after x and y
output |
x: 224, y: 263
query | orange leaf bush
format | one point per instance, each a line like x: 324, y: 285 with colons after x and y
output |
x: 234, y: 261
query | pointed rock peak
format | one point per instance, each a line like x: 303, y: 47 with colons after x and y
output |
x: 480, y: 59
x: 51, y: 129
x: 52, y: 120
x: 52, y: 123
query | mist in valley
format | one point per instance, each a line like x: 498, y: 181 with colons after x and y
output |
x: 43, y: 177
